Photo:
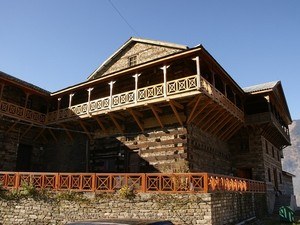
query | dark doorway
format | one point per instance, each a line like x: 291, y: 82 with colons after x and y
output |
x: 244, y: 173
x: 24, y: 158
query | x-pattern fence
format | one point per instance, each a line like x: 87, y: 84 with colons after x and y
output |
x: 151, y: 182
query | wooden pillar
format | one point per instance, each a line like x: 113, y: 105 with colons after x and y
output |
x: 1, y: 90
x: 234, y: 98
x: 225, y: 89
x: 213, y: 78
x: 197, y: 60
x: 136, y: 78
x: 164, y: 69
x: 58, y: 106
x: 70, y: 99
x: 26, y: 100
x: 111, y: 84
x: 89, y: 100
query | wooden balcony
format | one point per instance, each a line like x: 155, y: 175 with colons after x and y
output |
x: 174, y: 89
x: 21, y: 113
x: 272, y: 128
x: 138, y: 182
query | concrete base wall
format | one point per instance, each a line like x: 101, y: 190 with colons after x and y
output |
x: 215, y: 209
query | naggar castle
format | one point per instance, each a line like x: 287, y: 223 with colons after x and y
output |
x: 150, y: 107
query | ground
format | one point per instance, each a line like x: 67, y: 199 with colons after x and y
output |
x: 274, y: 220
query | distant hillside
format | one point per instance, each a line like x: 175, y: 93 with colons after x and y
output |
x: 291, y: 161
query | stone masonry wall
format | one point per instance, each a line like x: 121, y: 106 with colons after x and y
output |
x: 205, y: 209
x: 144, y: 53
x: 207, y: 153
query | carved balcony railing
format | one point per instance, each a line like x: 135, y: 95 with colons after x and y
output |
x: 139, y: 182
x: 19, y: 112
x: 158, y: 91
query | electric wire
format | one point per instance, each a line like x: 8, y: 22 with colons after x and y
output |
x: 120, y: 14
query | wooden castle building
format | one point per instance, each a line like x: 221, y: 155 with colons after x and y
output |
x: 151, y: 107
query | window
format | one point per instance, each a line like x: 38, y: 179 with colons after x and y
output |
x: 278, y: 156
x: 269, y: 175
x: 267, y: 147
x: 273, y: 152
x: 132, y: 60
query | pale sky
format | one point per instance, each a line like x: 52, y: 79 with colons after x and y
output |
x: 58, y: 43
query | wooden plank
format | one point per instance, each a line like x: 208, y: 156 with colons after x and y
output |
x: 175, y: 112
x: 136, y: 119
x: 67, y: 132
x: 85, y: 129
x: 116, y: 123
x: 53, y: 135
x: 153, y: 108
x: 100, y: 124
x: 26, y: 131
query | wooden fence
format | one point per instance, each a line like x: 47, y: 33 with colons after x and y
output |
x: 139, y: 182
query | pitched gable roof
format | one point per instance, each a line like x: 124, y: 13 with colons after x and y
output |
x: 11, y: 79
x: 276, y: 88
x: 135, y: 40
x: 261, y: 87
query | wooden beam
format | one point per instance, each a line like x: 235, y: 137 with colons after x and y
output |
x: 227, y: 125
x: 206, y: 114
x: 156, y: 108
x: 67, y: 132
x: 221, y: 123
x: 53, y: 135
x: 85, y: 129
x: 117, y: 116
x: 11, y: 127
x: 155, y: 112
x: 26, y: 131
x: 231, y: 132
x: 176, y: 104
x: 39, y: 134
x: 212, y: 114
x: 175, y: 112
x: 136, y: 119
x: 100, y: 124
x: 116, y: 123
x: 200, y: 111
x: 209, y: 123
x: 194, y: 108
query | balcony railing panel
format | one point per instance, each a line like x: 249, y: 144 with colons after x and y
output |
x: 20, y: 112
x: 139, y: 182
x: 157, y: 91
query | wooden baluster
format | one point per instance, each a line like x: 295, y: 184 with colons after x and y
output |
x: 136, y: 78
x: 164, y: 69
x: 111, y: 84
x: 197, y: 59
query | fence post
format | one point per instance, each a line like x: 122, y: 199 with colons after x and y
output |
x: 17, y: 180
x: 205, y: 183
x: 144, y: 183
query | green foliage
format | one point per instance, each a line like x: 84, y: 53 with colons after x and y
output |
x: 126, y: 193
x: 71, y: 196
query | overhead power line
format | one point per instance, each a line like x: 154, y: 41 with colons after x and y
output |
x: 120, y: 14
